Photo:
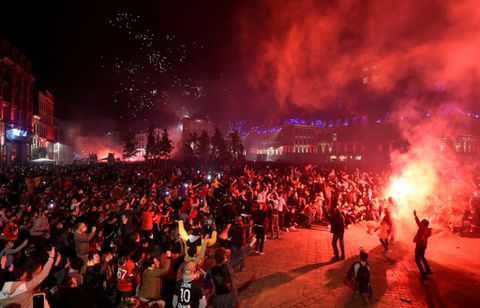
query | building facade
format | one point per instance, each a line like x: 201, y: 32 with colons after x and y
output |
x: 356, y: 141
x: 16, y: 102
x: 63, y: 152
x: 297, y: 142
x: 44, y: 129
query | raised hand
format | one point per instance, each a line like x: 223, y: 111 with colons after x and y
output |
x: 51, y: 253
x: 3, y: 261
x: 58, y: 259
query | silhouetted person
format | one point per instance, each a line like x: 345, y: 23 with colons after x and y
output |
x: 420, y: 241
x: 337, y: 227
x: 385, y: 227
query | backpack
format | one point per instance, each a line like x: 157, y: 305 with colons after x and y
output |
x: 351, y: 271
x: 221, y: 279
x: 349, y: 280
x: 363, y: 275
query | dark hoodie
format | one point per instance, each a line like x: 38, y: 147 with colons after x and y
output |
x: 422, y: 235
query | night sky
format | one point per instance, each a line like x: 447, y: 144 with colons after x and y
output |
x: 124, y: 64
x: 75, y: 47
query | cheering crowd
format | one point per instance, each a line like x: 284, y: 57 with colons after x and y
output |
x: 109, y: 235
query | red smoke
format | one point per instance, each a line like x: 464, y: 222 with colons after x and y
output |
x: 432, y: 174
x: 401, y: 56
x: 311, y: 53
x: 99, y: 145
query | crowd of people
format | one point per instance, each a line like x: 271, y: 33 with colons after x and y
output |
x: 141, y: 234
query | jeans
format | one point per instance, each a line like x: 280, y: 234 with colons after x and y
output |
x: 260, y: 234
x: 280, y: 220
x: 236, y: 254
x: 287, y: 220
x: 338, y: 237
x: 419, y: 258
x: 384, y: 243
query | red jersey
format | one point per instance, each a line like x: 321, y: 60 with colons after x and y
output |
x: 10, y: 231
x: 147, y: 221
x: 125, y: 276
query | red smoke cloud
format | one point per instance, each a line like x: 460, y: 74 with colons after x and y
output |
x: 404, y: 56
x: 101, y: 146
x: 432, y: 177
x: 311, y: 53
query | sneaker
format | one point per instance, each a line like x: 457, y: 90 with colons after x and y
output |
x: 341, y: 258
x: 286, y: 230
x: 423, y: 278
x: 334, y: 259
x: 257, y: 252
x: 261, y: 253
x: 429, y: 272
x: 252, y: 241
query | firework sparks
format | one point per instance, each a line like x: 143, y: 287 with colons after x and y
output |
x: 145, y: 81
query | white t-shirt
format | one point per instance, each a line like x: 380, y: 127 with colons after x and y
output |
x: 275, y: 204
x: 262, y: 197
x: 281, y: 203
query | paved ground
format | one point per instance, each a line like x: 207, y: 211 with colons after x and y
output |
x: 296, y: 271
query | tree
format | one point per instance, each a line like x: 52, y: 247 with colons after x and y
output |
x: 156, y: 147
x: 235, y: 146
x: 219, y: 146
x: 130, y: 146
x: 165, y: 145
x: 150, y: 148
x: 203, y: 149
